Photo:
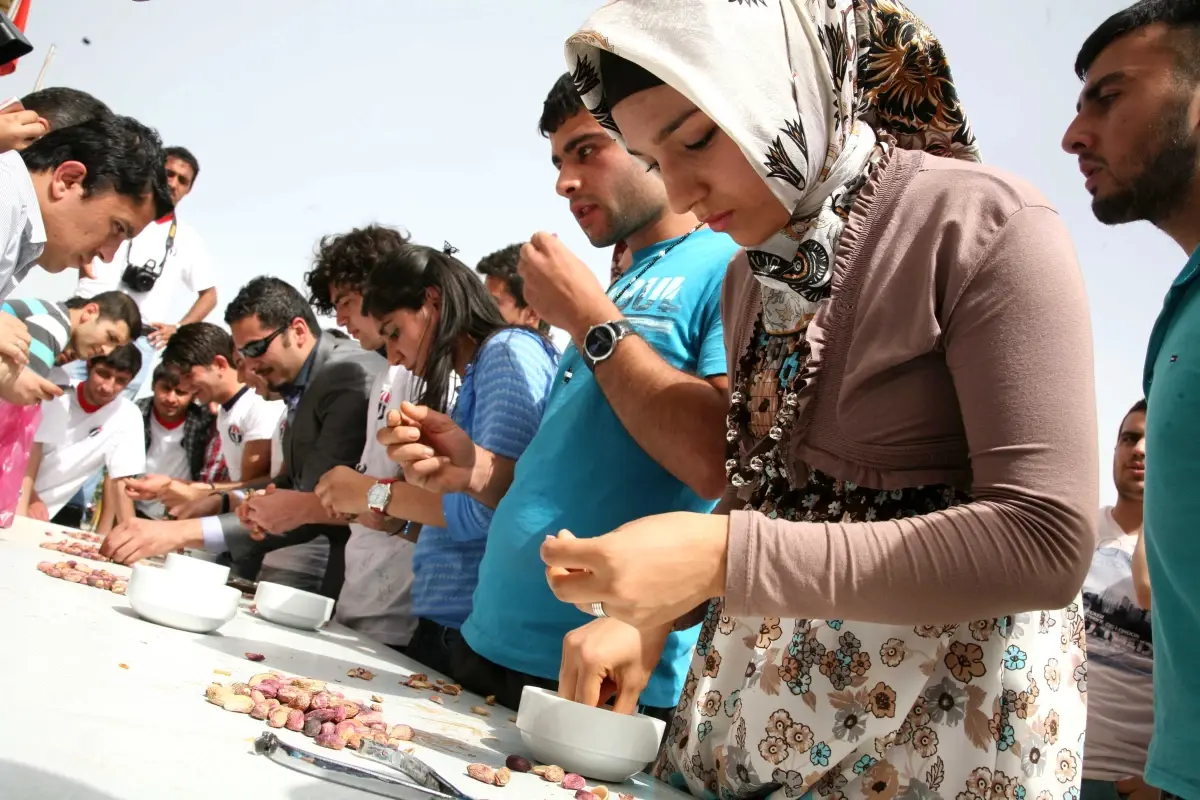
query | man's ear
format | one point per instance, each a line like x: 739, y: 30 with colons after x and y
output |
x: 67, y: 179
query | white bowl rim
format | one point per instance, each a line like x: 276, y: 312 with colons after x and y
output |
x: 593, y: 750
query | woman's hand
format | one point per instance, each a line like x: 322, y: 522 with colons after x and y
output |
x: 606, y: 658
x: 647, y: 573
x: 435, y: 453
x: 343, y: 490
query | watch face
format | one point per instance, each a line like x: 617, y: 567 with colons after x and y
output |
x: 377, y: 496
x: 599, y: 342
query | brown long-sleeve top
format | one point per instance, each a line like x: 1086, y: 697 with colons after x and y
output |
x: 955, y: 349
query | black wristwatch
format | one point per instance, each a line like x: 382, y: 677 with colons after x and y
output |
x: 601, y: 340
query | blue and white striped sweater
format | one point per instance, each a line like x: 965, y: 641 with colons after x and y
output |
x: 500, y: 405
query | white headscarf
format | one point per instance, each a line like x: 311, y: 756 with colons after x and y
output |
x: 800, y: 86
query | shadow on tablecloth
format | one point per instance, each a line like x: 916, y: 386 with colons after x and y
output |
x: 301, y: 663
x: 22, y: 782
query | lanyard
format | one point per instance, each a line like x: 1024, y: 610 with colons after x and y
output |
x: 617, y: 300
x: 166, y: 251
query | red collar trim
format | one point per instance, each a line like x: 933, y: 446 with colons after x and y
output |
x: 164, y: 220
x: 87, y: 407
x: 166, y: 423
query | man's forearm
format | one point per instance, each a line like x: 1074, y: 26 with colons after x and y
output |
x: 1141, y: 573
x: 677, y: 418
x: 206, y: 301
x: 124, y: 503
x: 416, y: 505
x: 491, y: 476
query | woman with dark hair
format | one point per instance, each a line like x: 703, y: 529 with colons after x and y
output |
x: 439, y: 321
x: 912, y: 457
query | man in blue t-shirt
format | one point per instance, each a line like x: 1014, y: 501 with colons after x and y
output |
x: 1138, y: 146
x: 633, y: 426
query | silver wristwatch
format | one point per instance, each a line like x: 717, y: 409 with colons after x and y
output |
x: 379, y: 495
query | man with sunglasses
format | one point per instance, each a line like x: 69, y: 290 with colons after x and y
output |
x: 168, y: 255
x: 326, y: 384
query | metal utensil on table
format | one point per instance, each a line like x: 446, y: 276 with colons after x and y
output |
x: 413, y: 780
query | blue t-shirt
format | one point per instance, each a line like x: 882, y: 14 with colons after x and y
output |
x: 584, y: 472
x: 1172, y: 507
x: 499, y: 405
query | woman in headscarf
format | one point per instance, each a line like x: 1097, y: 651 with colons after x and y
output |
x: 912, y: 459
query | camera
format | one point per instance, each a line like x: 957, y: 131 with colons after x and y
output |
x: 143, y: 278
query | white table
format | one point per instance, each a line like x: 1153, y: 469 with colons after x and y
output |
x: 77, y: 724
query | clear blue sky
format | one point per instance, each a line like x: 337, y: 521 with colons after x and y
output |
x: 310, y: 118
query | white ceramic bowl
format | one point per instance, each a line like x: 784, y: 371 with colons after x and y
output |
x: 593, y: 742
x: 188, y: 568
x: 158, y: 595
x: 292, y: 607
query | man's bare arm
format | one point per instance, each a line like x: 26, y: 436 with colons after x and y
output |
x: 256, y: 460
x: 677, y: 418
x: 206, y: 301
x: 1141, y: 573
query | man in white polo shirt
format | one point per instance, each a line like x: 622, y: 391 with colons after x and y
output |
x: 84, y: 430
x: 165, y: 257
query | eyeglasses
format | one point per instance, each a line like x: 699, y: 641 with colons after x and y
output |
x: 258, y: 348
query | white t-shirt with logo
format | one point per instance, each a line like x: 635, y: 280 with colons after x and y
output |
x: 376, y: 598
x: 1120, y: 649
x: 111, y: 436
x: 165, y: 456
x: 187, y: 265
x: 248, y: 418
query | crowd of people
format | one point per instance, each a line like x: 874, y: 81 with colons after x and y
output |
x: 815, y: 481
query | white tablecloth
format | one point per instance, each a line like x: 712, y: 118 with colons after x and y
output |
x: 78, y: 724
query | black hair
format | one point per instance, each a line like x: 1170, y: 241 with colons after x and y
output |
x: 126, y: 358
x: 346, y: 259
x: 401, y: 283
x: 197, y: 344
x: 1138, y: 408
x: 116, y: 306
x: 502, y: 265
x: 164, y: 374
x: 62, y: 106
x: 120, y: 153
x: 1182, y: 16
x: 337, y: 333
x: 276, y: 303
x: 561, y: 104
x: 184, y: 155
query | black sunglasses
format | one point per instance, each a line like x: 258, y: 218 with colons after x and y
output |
x: 258, y: 348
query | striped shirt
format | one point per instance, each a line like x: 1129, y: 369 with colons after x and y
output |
x: 22, y: 234
x: 500, y: 406
x: 49, y: 327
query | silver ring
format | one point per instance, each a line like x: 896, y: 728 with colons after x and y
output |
x: 598, y: 610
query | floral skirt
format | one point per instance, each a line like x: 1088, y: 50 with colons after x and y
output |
x: 992, y: 709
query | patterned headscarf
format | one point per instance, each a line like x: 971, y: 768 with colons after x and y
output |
x: 802, y: 86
